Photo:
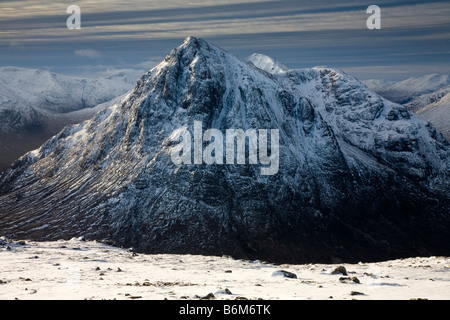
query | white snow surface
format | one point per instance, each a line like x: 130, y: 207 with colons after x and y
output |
x: 77, y: 269
x: 409, y: 88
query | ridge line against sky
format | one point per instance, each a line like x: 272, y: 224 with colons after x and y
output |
x: 414, y: 38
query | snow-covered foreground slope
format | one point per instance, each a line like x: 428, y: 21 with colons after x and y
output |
x: 77, y: 269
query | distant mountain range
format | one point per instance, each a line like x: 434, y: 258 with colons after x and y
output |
x: 36, y: 104
x: 428, y: 96
x: 360, y: 177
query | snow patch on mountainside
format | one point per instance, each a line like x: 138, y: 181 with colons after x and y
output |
x: 76, y: 270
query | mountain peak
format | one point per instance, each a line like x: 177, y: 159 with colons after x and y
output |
x: 188, y: 52
x: 267, y: 63
x: 195, y: 44
x: 191, y: 40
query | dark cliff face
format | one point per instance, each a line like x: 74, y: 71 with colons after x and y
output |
x: 359, y: 178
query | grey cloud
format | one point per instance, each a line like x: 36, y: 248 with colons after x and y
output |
x: 412, y: 37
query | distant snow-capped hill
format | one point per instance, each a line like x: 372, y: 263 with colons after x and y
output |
x: 36, y: 104
x: 57, y: 93
x: 406, y: 90
x: 423, y: 101
x: 426, y: 96
x: 438, y: 113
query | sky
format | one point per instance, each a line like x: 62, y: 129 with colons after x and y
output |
x: 414, y: 38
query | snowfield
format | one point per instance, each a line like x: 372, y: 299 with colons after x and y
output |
x: 77, y: 269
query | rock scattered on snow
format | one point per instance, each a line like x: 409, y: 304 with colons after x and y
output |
x: 224, y: 291
x: 209, y: 296
x: 285, y: 273
x: 340, y: 270
x: 349, y: 279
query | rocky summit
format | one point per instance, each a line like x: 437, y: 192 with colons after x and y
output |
x: 359, y: 177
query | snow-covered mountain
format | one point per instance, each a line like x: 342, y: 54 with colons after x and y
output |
x: 59, y: 93
x: 37, y: 104
x: 406, y: 90
x: 438, y: 111
x: 267, y: 63
x: 426, y: 96
x: 360, y: 177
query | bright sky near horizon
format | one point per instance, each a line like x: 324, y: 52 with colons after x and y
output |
x: 414, y: 38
